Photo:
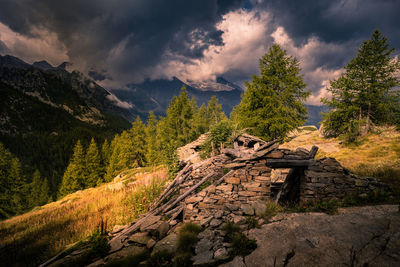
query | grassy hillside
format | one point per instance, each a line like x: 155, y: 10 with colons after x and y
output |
x: 377, y: 154
x: 34, y: 237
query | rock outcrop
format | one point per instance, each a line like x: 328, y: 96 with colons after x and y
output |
x: 358, y: 236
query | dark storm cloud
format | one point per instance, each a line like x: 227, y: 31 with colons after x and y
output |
x: 127, y: 36
x: 337, y: 21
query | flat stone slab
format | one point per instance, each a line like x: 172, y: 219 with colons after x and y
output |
x: 357, y: 236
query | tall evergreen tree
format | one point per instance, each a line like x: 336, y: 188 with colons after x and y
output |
x: 39, y: 190
x: 273, y: 105
x: 128, y: 150
x: 214, y: 111
x: 105, y: 153
x: 94, y: 169
x: 363, y: 93
x: 179, y: 119
x: 75, y: 174
x: 201, y: 120
x: 12, y: 185
x: 152, y: 152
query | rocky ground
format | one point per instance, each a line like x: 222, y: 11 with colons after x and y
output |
x: 357, y: 236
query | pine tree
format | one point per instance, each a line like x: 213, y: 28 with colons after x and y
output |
x: 363, y: 93
x: 201, y: 120
x: 152, y: 152
x: 75, y: 174
x: 39, y: 190
x: 128, y: 150
x: 273, y: 105
x: 179, y: 119
x: 94, y: 169
x: 214, y: 111
x: 105, y: 153
x: 13, y: 187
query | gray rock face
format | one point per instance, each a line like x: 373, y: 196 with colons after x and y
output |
x: 168, y: 243
x: 359, y: 236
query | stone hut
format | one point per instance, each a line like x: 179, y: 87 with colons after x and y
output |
x: 231, y: 187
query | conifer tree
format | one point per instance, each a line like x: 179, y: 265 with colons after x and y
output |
x: 12, y: 185
x: 180, y: 113
x: 201, y: 120
x: 152, y: 152
x: 39, y: 190
x: 273, y: 105
x: 94, y: 169
x: 214, y: 111
x: 128, y: 150
x: 363, y: 93
x: 75, y: 174
x: 105, y: 153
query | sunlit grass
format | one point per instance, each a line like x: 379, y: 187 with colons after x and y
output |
x: 376, y: 154
x: 32, y: 238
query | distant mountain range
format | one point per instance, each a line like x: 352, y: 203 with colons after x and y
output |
x: 155, y: 95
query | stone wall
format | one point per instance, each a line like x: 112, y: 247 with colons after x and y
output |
x: 244, y: 186
x: 327, y: 179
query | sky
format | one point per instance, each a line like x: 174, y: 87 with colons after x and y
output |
x: 198, y: 40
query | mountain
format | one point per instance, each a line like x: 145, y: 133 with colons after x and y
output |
x: 314, y: 114
x: 155, y: 95
x: 44, y: 110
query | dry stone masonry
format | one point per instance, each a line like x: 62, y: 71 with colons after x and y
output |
x: 233, y: 187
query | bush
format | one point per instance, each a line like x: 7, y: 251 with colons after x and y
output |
x: 161, y: 258
x: 219, y: 134
x: 271, y: 209
x: 98, y: 241
x: 187, y: 239
x: 241, y: 245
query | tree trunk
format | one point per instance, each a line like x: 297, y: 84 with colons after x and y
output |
x: 367, y: 127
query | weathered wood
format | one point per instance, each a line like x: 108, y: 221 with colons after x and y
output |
x: 266, y: 145
x: 289, y: 163
x: 258, y: 154
x: 180, y: 178
x: 188, y: 192
x: 249, y: 140
x: 313, y: 152
x: 220, y: 180
x: 230, y: 152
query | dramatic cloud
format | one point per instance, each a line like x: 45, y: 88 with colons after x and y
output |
x: 128, y: 41
x: 42, y: 44
x: 124, y: 37
x: 244, y: 36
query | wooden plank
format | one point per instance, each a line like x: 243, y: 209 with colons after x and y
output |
x: 288, y: 163
x: 313, y: 152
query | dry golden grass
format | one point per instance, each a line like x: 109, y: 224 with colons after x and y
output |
x: 376, y: 154
x: 32, y: 238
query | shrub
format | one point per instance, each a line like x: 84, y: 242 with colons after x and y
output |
x: 219, y: 134
x: 241, y: 245
x: 251, y: 222
x: 98, y: 241
x: 271, y: 209
x: 160, y: 258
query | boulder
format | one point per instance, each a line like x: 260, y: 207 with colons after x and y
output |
x: 168, y: 243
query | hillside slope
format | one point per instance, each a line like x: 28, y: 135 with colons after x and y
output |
x: 32, y: 238
x: 44, y: 111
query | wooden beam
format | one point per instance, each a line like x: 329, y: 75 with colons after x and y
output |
x: 288, y: 163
